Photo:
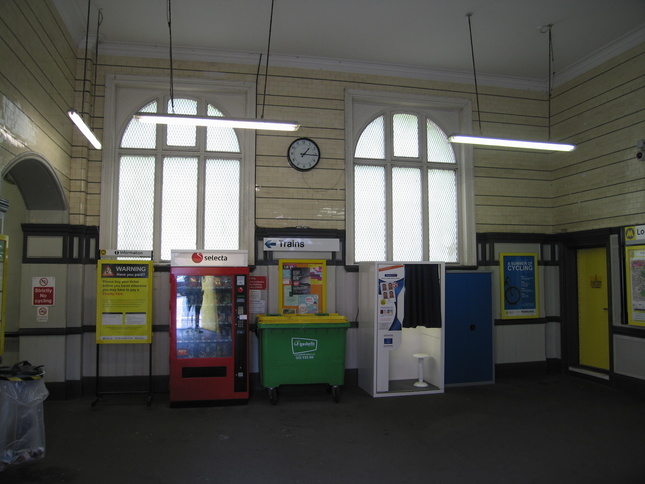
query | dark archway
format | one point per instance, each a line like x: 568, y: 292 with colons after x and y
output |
x: 37, y: 182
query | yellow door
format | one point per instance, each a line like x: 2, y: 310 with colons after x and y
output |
x: 593, y: 313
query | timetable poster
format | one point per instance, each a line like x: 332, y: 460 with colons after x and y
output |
x: 635, y: 275
x: 519, y: 286
x: 302, y: 286
x: 124, y: 301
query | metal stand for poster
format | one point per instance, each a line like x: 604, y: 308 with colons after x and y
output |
x: 100, y: 394
x: 112, y: 270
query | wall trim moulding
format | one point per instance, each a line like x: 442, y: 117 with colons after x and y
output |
x: 626, y: 42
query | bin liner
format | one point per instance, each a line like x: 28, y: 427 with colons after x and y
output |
x: 22, y: 429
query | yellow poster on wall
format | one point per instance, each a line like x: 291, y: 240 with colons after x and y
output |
x: 635, y: 282
x: 124, y: 301
x: 4, y: 244
x: 302, y: 286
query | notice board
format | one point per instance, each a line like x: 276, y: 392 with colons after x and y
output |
x: 635, y: 284
x: 124, y: 301
x: 302, y: 286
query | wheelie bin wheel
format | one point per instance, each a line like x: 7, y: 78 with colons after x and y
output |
x: 335, y: 392
x: 273, y: 395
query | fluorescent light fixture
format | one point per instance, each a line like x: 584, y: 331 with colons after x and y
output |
x: 190, y: 120
x: 85, y: 129
x: 511, y: 143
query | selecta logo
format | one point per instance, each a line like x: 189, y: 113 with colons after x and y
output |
x: 198, y: 257
x: 303, y: 345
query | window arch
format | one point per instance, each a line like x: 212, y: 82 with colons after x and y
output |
x: 409, y: 187
x: 166, y: 188
x: 173, y: 179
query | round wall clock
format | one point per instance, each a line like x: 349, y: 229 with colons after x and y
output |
x: 303, y: 154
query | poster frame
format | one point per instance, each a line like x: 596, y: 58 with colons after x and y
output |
x: 286, y: 284
x: 525, y: 287
x: 111, y: 300
x: 630, y: 312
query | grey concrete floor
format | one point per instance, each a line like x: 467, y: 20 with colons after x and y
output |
x: 539, y: 429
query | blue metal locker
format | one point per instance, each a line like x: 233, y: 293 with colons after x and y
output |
x: 468, y: 328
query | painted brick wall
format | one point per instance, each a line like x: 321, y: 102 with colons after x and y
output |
x: 598, y: 185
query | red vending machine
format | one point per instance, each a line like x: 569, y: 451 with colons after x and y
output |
x: 209, y: 326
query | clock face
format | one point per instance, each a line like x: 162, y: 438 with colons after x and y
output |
x: 303, y: 154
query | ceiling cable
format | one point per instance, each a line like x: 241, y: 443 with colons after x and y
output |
x: 217, y: 121
x: 96, y: 60
x: 172, y: 80
x: 266, y: 68
x: 472, y: 52
x: 551, y: 75
x: 503, y: 142
x: 75, y: 116
x: 87, y: 39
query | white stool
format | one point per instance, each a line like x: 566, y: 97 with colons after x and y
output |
x: 420, y: 357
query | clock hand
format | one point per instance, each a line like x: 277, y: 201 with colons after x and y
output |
x: 304, y: 153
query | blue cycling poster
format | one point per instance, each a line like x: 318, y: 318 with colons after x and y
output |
x: 519, y: 286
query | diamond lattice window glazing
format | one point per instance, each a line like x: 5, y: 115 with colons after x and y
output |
x: 407, y: 214
x: 135, y: 221
x: 442, y: 215
x: 222, y: 204
x: 369, y: 212
x: 405, y: 135
x: 439, y: 148
x: 221, y: 139
x: 371, y: 144
x: 141, y: 135
x: 180, y: 135
x: 178, y: 205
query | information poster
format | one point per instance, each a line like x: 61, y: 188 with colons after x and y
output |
x: 124, y: 301
x: 4, y: 243
x: 635, y: 275
x: 302, y: 286
x: 519, y: 286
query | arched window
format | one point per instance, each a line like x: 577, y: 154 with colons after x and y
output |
x: 178, y: 186
x: 406, y: 184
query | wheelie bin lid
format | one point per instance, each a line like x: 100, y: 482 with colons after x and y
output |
x: 22, y: 371
x: 301, y: 320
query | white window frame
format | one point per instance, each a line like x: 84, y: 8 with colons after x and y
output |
x: 125, y: 94
x: 452, y: 115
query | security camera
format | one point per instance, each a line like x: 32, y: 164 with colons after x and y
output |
x: 640, y: 144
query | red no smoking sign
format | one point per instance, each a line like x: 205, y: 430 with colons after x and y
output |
x: 43, y: 291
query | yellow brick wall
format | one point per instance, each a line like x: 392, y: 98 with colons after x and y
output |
x: 601, y: 183
x: 598, y: 185
x: 37, y: 71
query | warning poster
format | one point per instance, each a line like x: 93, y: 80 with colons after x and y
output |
x: 124, y: 301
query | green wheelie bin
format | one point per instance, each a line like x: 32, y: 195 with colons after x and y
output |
x: 302, y: 349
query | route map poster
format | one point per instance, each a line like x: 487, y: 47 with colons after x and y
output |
x: 635, y: 275
x: 124, y: 301
x: 519, y: 286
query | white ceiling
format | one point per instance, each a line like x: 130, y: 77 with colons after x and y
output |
x: 395, y: 36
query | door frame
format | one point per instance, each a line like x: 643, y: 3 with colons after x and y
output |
x: 569, y: 292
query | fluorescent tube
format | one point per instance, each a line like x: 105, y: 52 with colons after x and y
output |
x: 511, y: 143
